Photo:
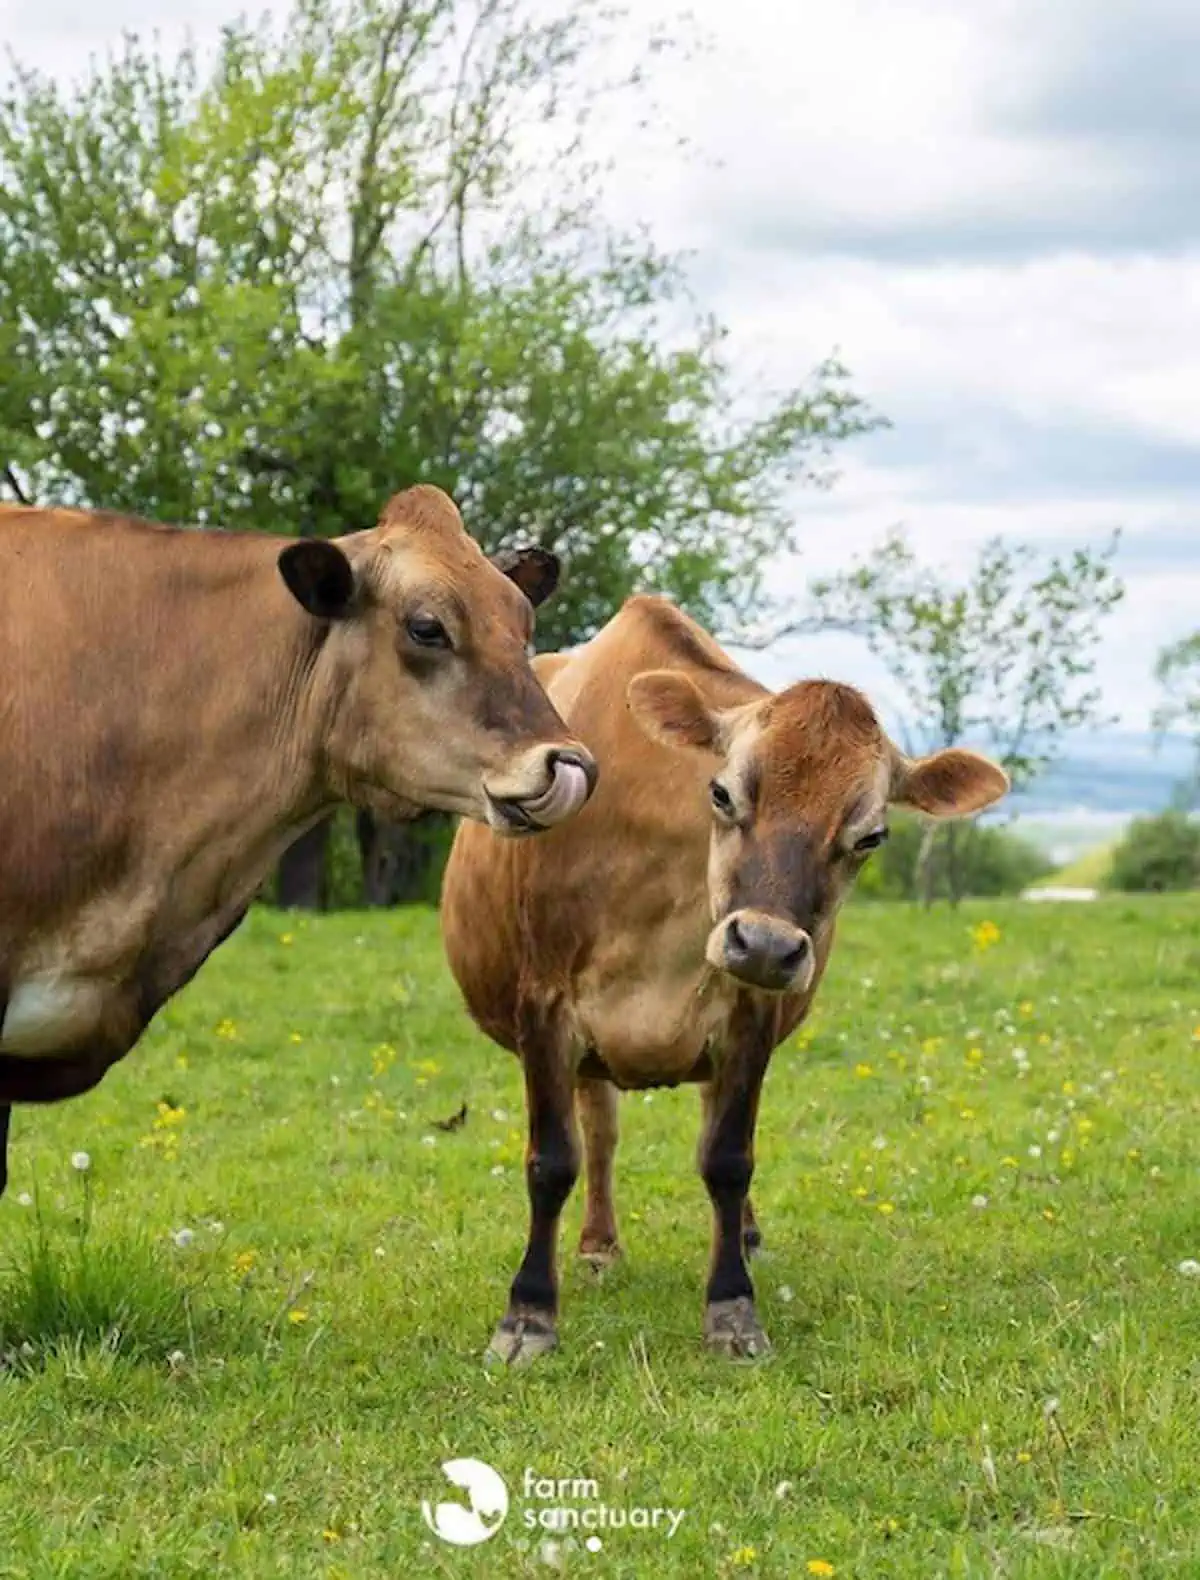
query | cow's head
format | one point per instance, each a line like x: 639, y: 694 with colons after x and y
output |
x: 429, y: 695
x: 800, y: 791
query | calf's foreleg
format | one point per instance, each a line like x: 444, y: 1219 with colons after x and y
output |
x: 5, y: 1117
x: 529, y: 1326
x: 751, y: 1232
x: 726, y: 1158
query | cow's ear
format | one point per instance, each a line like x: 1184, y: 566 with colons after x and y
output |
x: 951, y: 783
x: 535, y: 571
x: 319, y: 577
x: 669, y: 709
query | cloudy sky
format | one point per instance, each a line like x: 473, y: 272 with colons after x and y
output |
x: 991, y: 211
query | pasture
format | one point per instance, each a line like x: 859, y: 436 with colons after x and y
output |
x: 243, y: 1340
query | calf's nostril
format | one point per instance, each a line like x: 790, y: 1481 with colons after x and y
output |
x: 793, y: 958
x: 735, y: 941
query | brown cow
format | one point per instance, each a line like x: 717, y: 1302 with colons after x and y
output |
x: 677, y: 930
x: 177, y: 706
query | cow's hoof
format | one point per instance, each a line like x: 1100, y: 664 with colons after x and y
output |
x: 521, y: 1338
x: 599, y: 1254
x: 752, y: 1239
x: 731, y: 1327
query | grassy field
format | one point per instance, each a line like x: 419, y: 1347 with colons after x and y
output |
x: 1089, y: 871
x: 244, y: 1340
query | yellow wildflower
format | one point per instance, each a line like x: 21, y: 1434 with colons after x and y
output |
x: 820, y: 1566
x: 985, y: 935
x: 1023, y: 1457
x: 297, y: 1315
x: 244, y: 1261
x: 862, y: 1071
x: 886, y: 1208
x: 743, y: 1557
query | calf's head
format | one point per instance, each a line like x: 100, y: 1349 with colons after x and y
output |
x: 800, y: 789
x: 428, y: 697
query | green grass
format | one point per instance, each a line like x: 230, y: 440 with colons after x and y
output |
x: 275, y: 1397
x: 1089, y: 871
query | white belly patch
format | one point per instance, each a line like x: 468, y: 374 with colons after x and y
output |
x: 49, y: 1014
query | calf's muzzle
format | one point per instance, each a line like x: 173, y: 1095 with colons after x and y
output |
x: 763, y: 951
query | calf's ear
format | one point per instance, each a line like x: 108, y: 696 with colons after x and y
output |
x: 669, y: 709
x: 951, y: 783
x: 535, y: 571
x: 319, y: 577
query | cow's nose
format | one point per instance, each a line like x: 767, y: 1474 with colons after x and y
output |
x: 574, y: 757
x: 565, y: 779
x: 765, y: 952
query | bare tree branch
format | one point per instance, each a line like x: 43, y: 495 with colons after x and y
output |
x: 10, y: 477
x: 756, y: 639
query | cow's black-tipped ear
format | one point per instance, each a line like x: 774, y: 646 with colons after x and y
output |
x: 535, y: 571
x: 319, y: 577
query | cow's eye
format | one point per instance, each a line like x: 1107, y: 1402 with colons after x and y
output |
x: 427, y: 631
x: 721, y: 798
x: 870, y: 842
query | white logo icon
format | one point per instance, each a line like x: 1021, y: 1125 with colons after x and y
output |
x: 487, y: 1497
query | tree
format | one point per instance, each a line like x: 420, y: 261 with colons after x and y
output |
x: 365, y: 250
x: 1004, y: 658
x: 1157, y: 854
x: 1178, y: 673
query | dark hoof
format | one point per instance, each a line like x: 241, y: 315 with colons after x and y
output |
x: 522, y: 1337
x: 599, y: 1254
x: 731, y: 1327
x: 752, y: 1239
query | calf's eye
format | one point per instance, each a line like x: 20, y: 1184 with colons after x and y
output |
x: 870, y: 842
x: 427, y: 631
x: 721, y: 798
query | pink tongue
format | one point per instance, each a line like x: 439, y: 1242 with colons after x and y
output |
x: 565, y: 796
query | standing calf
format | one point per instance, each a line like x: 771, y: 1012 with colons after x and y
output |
x: 678, y: 928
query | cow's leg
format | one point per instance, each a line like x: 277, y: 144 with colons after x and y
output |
x: 726, y: 1158
x: 528, y: 1327
x: 596, y: 1102
x: 5, y: 1116
x: 751, y: 1233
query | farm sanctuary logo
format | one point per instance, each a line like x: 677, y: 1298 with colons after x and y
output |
x: 551, y: 1506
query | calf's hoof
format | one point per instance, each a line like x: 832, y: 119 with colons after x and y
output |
x: 521, y: 1337
x: 731, y: 1327
x: 599, y: 1254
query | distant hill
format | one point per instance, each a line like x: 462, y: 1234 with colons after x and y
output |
x: 1101, y: 781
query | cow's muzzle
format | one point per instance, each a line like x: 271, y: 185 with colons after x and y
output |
x: 570, y: 778
x: 762, y: 951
